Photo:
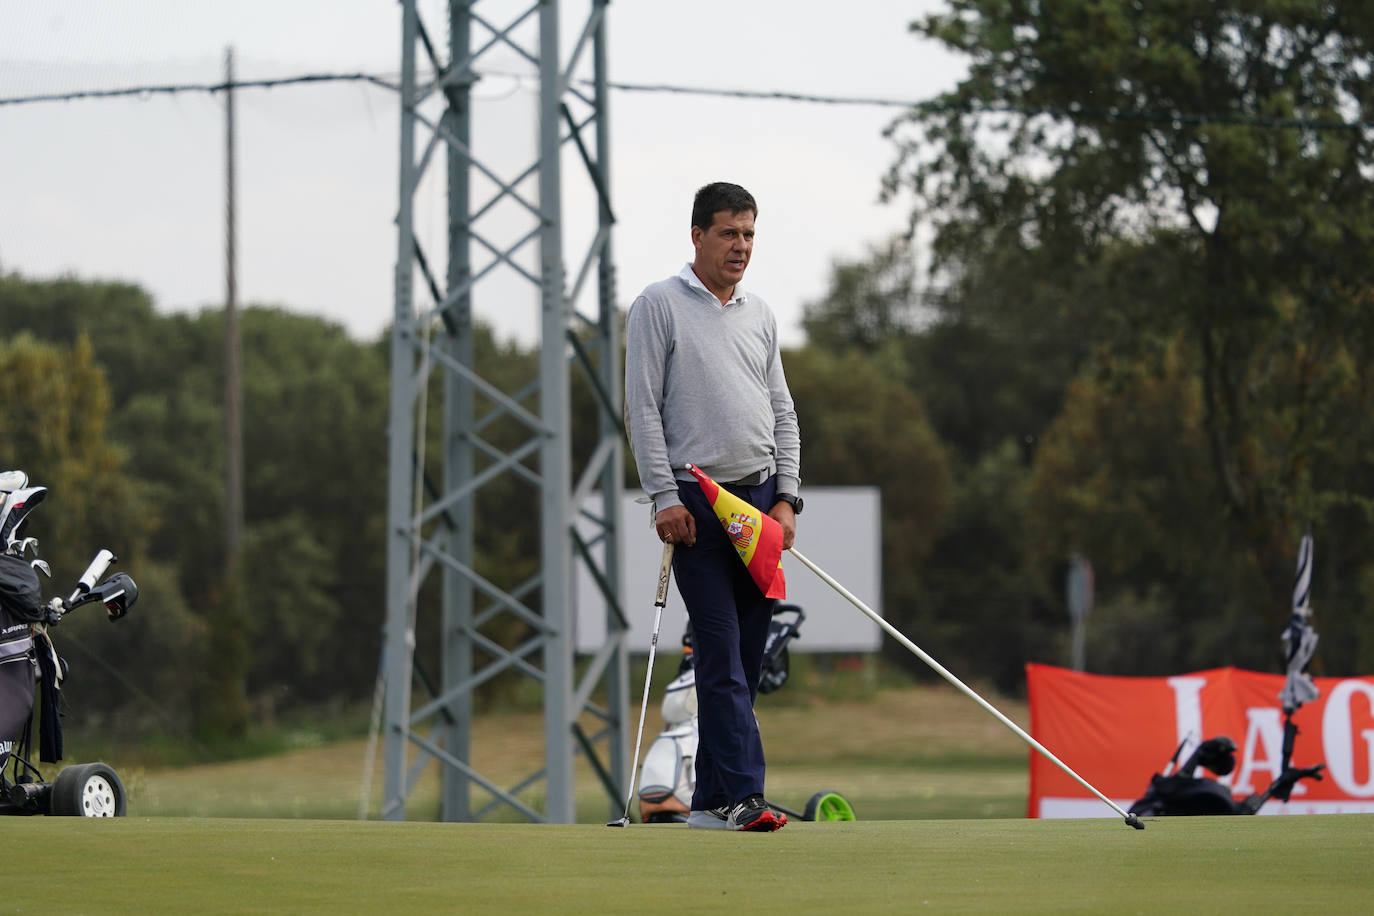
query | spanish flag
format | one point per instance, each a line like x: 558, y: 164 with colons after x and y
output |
x: 757, y: 537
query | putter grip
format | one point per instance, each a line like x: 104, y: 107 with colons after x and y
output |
x: 665, y: 570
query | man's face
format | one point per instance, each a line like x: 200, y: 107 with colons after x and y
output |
x: 723, y: 250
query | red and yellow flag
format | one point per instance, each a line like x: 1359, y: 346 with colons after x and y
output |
x: 757, y: 537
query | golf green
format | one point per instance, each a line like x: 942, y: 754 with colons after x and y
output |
x: 1316, y: 864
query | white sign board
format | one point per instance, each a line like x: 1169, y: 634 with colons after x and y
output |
x: 839, y: 531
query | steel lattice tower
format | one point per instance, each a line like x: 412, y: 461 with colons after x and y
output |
x: 505, y: 225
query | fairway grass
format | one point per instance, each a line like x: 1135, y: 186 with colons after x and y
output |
x: 909, y: 754
x: 1313, y: 864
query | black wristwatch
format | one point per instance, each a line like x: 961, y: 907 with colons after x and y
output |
x: 795, y: 502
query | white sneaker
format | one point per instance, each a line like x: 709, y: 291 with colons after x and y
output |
x: 710, y: 819
x: 13, y: 480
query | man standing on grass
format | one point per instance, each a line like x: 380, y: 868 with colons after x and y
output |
x: 704, y: 385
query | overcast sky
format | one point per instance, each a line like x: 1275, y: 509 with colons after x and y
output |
x: 133, y: 189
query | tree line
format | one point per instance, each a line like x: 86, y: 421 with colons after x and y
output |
x: 1150, y: 227
x: 1141, y: 336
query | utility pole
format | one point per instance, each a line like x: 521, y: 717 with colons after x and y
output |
x: 1079, y: 593
x: 233, y: 375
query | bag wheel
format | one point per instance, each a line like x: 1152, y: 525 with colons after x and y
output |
x: 88, y: 790
x: 828, y: 806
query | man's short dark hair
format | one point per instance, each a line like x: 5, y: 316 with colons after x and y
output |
x: 718, y: 196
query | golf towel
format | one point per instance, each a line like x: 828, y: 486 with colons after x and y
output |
x: 757, y: 537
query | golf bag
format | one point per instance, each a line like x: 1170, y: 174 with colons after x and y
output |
x: 1184, y: 793
x: 668, y: 776
x: 29, y: 665
x: 21, y: 606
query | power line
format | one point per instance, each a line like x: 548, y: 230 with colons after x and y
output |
x: 1179, y: 118
x: 1164, y: 117
x: 180, y: 88
x: 764, y: 95
x: 173, y: 89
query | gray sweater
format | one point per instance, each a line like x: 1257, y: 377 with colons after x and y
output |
x: 704, y: 385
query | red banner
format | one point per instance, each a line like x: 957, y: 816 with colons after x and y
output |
x: 1116, y: 732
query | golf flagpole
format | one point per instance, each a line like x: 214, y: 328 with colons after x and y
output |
x: 939, y: 669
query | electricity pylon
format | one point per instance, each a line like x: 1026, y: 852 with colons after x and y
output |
x: 505, y: 459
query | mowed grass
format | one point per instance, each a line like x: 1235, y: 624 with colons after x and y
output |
x: 1315, y: 864
x: 895, y: 754
x: 939, y: 787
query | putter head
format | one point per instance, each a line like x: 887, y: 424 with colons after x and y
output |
x: 1134, y: 821
x: 618, y: 823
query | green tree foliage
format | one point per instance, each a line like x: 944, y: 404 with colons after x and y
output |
x: 1182, y: 192
x: 988, y: 379
x: 316, y: 408
x: 55, y: 426
x: 1131, y: 489
x: 304, y: 621
x: 984, y: 615
x: 871, y: 302
x: 862, y: 426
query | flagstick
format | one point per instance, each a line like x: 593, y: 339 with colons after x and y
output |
x: 892, y: 631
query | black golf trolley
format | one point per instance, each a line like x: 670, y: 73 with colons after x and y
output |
x: 1186, y: 792
x: 29, y: 665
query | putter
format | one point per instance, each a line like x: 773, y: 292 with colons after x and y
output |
x: 1130, y: 819
x: 665, y: 570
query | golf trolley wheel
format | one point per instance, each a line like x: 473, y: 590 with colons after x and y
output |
x: 828, y: 806
x: 88, y: 790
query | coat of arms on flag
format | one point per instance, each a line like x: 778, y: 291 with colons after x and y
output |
x: 756, y: 536
x: 740, y: 529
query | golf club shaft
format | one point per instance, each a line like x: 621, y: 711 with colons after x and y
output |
x: 665, y: 571
x: 944, y: 673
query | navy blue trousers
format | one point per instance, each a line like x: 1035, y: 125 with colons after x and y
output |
x: 730, y: 618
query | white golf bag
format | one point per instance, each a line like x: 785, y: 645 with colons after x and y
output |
x: 669, y: 774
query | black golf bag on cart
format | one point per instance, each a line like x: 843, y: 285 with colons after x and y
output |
x: 667, y: 777
x: 1185, y: 792
x: 30, y: 665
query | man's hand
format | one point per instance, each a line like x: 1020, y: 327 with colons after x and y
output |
x: 782, y: 513
x: 675, y: 525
